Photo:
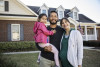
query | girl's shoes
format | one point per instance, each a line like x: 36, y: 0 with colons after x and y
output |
x: 38, y: 61
x: 57, y: 66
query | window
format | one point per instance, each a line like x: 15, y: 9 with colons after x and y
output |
x: 75, y: 15
x: 44, y: 11
x: 6, y: 6
x: 1, y: 5
x: 60, y: 14
x: 90, y: 31
x: 15, y: 32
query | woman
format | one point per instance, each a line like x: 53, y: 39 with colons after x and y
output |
x: 71, y: 51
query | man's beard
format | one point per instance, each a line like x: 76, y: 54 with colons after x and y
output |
x: 53, y: 23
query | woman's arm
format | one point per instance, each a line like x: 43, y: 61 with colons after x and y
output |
x: 79, y: 48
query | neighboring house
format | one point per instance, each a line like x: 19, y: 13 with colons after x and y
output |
x: 17, y: 21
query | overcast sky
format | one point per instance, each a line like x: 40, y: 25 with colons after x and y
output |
x: 90, y: 8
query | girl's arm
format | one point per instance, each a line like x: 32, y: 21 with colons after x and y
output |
x: 43, y: 28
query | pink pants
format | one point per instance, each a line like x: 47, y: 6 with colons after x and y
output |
x: 54, y: 50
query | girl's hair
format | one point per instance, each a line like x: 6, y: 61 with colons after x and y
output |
x: 40, y: 16
x: 62, y: 20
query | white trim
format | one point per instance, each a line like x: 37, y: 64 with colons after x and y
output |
x: 61, y: 8
x: 77, y: 17
x: 11, y: 32
x: 18, y: 18
x: 46, y: 11
x: 26, y: 7
x: 43, y: 7
x: 2, y: 6
x: 86, y: 33
x: 59, y: 14
x: 95, y: 32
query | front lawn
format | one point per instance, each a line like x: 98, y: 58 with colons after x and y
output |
x: 91, y: 59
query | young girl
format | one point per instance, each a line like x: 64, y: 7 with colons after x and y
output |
x: 41, y: 34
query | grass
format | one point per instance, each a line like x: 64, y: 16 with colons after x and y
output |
x: 21, y: 60
x: 91, y: 59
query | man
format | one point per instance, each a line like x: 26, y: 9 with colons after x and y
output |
x: 47, y: 57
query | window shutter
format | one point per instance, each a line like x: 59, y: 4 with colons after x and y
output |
x: 9, y: 32
x: 21, y: 32
x: 6, y: 6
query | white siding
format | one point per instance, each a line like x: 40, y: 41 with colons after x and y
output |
x: 16, y: 8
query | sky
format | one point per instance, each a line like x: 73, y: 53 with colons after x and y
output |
x: 90, y: 8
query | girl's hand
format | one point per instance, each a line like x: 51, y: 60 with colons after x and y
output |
x: 54, y: 31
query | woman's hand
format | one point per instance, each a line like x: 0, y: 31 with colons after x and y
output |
x: 79, y: 65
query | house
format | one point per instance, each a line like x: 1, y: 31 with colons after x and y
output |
x: 17, y: 21
x: 89, y: 27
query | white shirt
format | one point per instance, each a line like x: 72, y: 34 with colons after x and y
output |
x: 75, y: 48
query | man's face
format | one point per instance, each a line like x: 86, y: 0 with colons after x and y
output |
x: 53, y: 18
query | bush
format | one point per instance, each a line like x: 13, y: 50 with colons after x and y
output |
x: 17, y: 46
x: 92, y: 43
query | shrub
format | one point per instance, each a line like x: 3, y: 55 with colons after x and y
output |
x: 17, y: 46
x: 92, y: 43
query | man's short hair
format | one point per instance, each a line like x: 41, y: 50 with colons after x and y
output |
x: 53, y: 12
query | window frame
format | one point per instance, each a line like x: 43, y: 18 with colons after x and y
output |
x: 12, y: 33
x: 60, y: 14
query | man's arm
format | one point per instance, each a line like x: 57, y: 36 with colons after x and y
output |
x: 47, y: 48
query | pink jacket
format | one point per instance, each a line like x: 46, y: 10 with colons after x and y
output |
x: 41, y: 32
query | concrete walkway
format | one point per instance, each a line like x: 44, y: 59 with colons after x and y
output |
x: 22, y: 52
x: 85, y: 47
x: 91, y: 48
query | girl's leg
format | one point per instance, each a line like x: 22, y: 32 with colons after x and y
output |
x: 38, y: 60
x: 54, y: 50
x: 56, y: 58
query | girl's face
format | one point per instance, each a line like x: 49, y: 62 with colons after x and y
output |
x: 43, y: 19
x: 65, y: 24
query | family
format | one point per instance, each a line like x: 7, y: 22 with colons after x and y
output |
x: 60, y: 46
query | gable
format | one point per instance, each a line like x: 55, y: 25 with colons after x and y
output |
x: 16, y: 7
x: 75, y: 9
x: 60, y: 8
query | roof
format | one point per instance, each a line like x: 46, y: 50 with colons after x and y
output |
x: 82, y: 18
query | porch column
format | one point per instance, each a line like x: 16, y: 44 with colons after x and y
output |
x: 86, y: 33
x: 75, y: 27
x: 95, y: 33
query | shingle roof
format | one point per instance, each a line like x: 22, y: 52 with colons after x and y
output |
x: 82, y: 18
x: 34, y: 8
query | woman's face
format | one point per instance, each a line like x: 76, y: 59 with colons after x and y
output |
x: 65, y: 24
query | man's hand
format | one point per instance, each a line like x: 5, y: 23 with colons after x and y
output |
x: 79, y: 65
x: 48, y: 48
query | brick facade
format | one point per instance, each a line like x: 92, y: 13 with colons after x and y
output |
x: 28, y: 29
